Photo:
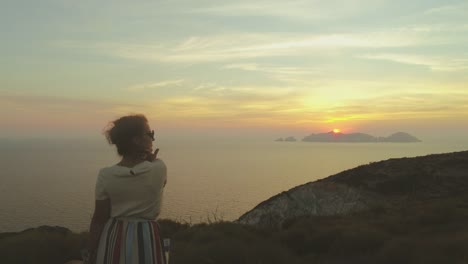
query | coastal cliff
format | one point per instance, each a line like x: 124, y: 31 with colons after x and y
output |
x: 386, y: 184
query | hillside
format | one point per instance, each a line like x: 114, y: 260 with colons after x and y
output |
x: 390, y: 184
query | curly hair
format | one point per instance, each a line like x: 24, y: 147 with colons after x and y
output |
x: 122, y: 130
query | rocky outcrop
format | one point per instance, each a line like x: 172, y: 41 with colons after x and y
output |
x: 317, y: 198
x: 390, y: 183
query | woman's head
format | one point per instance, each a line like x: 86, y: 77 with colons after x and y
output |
x: 131, y: 134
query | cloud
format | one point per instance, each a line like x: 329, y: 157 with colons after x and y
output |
x: 246, y: 46
x: 272, y: 45
x: 281, y: 73
x: 210, y: 104
x: 450, y: 9
x: 272, y: 69
x: 435, y: 63
x: 403, y: 106
x: 52, y: 102
x: 342, y: 101
x: 209, y: 101
x: 294, y: 9
x: 51, y: 112
x: 303, y: 10
x: 155, y: 85
x: 434, y: 28
x: 243, y: 93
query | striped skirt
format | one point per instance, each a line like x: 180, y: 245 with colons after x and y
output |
x: 130, y: 241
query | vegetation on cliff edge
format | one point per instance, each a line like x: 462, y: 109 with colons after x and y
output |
x: 434, y: 231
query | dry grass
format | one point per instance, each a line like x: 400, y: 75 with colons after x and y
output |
x: 430, y: 232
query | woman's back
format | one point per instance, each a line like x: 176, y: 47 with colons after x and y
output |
x: 133, y: 192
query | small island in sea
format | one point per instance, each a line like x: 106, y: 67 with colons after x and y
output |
x: 331, y: 137
x: 288, y: 139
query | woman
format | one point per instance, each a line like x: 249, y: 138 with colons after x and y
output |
x: 128, y: 198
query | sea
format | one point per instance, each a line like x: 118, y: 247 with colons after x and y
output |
x: 51, y: 181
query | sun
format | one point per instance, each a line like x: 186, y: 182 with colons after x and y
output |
x: 336, y: 130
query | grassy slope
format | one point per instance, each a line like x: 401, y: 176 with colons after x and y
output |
x: 431, y: 232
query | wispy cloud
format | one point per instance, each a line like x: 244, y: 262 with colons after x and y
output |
x: 279, y: 61
x: 53, y: 102
x: 433, y: 28
x: 305, y: 10
x: 282, y: 73
x: 243, y: 93
x: 401, y: 107
x: 448, y: 9
x: 155, y: 85
x: 210, y: 101
x: 272, y: 69
x: 435, y: 63
x: 51, y: 112
x: 243, y: 106
x: 247, y: 46
x: 295, y: 9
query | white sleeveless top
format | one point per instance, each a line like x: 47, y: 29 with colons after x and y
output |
x: 133, y: 192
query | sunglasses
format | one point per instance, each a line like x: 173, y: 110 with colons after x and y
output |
x: 150, y: 134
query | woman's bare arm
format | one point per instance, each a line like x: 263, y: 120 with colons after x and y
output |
x: 101, y: 215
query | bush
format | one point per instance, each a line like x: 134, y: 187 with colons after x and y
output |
x: 41, y: 246
x: 228, y: 243
x: 430, y: 232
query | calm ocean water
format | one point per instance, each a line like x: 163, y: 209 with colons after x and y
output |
x: 51, y: 182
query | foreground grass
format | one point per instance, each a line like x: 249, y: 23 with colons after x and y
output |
x: 431, y: 232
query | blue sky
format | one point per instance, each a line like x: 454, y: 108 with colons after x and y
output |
x: 359, y: 65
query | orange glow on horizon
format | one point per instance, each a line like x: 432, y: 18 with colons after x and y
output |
x: 336, y: 130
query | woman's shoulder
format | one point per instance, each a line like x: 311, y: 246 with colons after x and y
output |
x: 117, y: 169
x: 143, y: 167
x: 158, y: 162
x: 157, y: 165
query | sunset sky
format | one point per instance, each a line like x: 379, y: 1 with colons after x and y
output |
x: 297, y: 67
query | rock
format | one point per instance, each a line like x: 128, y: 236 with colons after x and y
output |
x: 320, y: 198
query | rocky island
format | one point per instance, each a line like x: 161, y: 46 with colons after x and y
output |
x: 338, y: 137
x: 288, y: 139
x: 399, y: 137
